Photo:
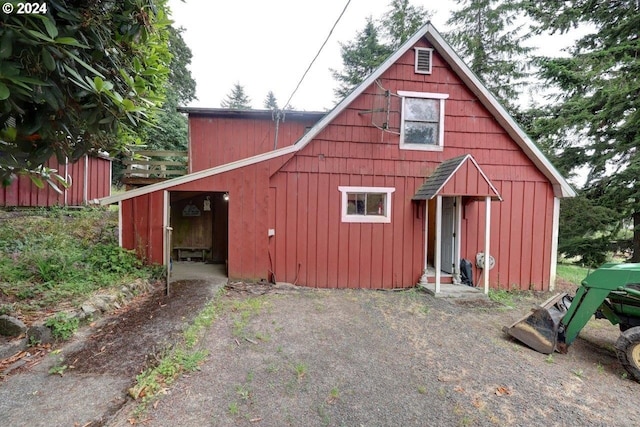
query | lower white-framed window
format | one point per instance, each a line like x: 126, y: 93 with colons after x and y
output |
x: 366, y: 204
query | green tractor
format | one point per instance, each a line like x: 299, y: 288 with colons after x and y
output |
x: 611, y: 292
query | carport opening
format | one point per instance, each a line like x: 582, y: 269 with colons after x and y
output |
x: 200, y: 232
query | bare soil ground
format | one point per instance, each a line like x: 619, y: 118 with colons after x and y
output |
x: 311, y: 357
x: 367, y: 358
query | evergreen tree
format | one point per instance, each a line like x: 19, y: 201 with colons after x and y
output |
x: 237, y: 99
x: 270, y: 102
x: 596, y: 121
x: 401, y: 22
x: 483, y: 35
x: 363, y: 55
x: 360, y: 58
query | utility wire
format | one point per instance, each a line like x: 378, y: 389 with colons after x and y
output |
x: 317, y: 54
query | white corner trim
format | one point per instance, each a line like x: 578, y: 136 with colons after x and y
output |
x: 120, y: 224
x: 555, y: 227
x: 383, y: 219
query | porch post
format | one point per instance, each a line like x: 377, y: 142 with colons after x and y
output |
x: 426, y: 235
x: 487, y: 239
x: 458, y: 238
x: 437, y: 246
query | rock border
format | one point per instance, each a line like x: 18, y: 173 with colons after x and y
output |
x: 97, y: 305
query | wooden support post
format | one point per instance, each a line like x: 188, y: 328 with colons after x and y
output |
x: 437, y: 260
x: 487, y: 240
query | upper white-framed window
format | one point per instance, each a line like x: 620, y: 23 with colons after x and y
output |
x: 422, y: 126
x: 366, y: 204
x: 423, y: 60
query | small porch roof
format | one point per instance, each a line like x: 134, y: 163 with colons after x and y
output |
x: 459, y: 176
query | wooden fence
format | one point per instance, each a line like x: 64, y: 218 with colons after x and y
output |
x: 146, y: 166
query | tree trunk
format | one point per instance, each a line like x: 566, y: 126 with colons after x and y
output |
x: 636, y: 238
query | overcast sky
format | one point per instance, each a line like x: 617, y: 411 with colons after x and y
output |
x: 267, y: 45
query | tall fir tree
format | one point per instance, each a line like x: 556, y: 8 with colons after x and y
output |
x: 401, y: 21
x: 485, y: 36
x: 237, y: 99
x: 359, y: 58
x: 270, y: 102
x: 376, y: 42
x: 595, y: 122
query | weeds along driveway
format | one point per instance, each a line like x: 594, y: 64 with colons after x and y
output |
x: 366, y: 358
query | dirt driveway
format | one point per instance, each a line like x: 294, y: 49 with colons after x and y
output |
x: 371, y: 358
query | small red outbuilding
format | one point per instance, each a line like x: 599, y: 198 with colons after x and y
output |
x: 418, y: 168
x: 88, y: 179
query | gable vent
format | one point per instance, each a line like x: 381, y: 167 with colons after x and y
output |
x: 423, y: 60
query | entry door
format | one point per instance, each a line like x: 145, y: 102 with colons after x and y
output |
x: 447, y: 235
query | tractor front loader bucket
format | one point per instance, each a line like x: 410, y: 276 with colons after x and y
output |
x: 539, y: 330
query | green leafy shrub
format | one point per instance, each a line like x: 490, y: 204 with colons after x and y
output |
x: 49, y: 256
x: 110, y: 258
x: 62, y: 325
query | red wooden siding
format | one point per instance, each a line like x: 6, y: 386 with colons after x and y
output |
x: 468, y: 181
x: 22, y: 192
x: 216, y: 141
x: 313, y: 247
x: 248, y: 254
x: 297, y: 195
x: 142, y: 228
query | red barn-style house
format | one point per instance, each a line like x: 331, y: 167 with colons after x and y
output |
x: 418, y: 168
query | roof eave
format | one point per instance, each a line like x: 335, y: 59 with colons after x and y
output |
x: 196, y: 175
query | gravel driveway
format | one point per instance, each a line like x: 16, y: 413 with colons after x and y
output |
x: 371, y: 358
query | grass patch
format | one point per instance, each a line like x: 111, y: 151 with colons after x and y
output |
x: 182, y: 358
x: 244, y: 310
x: 572, y: 273
x: 503, y: 297
x: 52, y: 257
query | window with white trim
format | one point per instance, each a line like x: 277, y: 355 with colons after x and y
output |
x: 422, y: 126
x: 366, y: 204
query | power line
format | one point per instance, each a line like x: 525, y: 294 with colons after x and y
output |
x: 317, y: 54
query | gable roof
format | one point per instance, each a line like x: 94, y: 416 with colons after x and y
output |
x: 443, y: 180
x: 560, y: 185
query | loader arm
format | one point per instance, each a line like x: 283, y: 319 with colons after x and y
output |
x: 585, y: 304
x: 608, y: 291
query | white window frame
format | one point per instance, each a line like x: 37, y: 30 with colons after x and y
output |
x: 386, y: 218
x: 423, y: 95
